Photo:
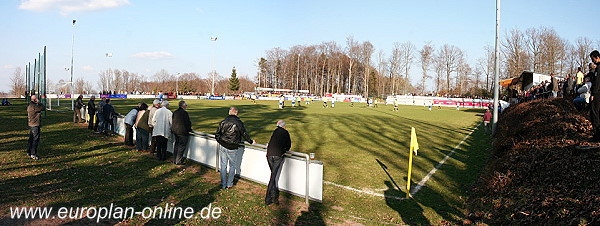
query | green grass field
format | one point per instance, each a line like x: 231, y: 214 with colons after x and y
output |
x: 363, y: 148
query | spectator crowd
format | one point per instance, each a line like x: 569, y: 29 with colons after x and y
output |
x: 576, y: 88
x: 155, y: 125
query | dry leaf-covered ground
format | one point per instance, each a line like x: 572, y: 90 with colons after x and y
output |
x: 536, y: 175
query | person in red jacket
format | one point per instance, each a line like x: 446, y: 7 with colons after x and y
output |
x: 487, y: 118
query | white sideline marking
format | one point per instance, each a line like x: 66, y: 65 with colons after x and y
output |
x: 419, y: 185
x: 426, y: 178
x: 365, y: 192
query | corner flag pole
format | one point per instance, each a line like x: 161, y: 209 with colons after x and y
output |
x: 414, y: 146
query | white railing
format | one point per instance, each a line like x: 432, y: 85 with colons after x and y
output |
x: 300, y: 175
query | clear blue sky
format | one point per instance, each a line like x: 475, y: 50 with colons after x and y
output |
x: 147, y: 36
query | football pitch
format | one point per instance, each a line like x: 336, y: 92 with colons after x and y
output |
x: 365, y: 154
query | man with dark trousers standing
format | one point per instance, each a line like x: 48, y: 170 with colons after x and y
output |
x: 279, y: 144
x: 91, y: 110
x: 181, y: 128
x: 109, y: 114
x: 595, y: 98
x: 230, y: 134
x: 34, y: 113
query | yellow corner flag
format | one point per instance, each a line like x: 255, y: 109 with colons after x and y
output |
x: 414, y: 146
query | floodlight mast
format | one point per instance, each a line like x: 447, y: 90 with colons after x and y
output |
x: 212, y: 89
x: 72, y: 50
x: 496, y: 68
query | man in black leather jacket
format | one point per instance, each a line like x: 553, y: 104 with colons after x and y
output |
x: 230, y: 133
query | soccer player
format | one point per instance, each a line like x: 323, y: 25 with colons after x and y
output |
x: 281, y: 100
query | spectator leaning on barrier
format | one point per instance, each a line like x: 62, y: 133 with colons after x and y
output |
x: 109, y: 114
x: 91, y: 110
x: 100, y: 116
x: 129, y: 121
x: 141, y: 128
x: 279, y: 144
x: 182, y: 126
x: 230, y: 133
x: 151, y: 111
x: 34, y: 113
x: 162, y: 129
x: 595, y: 98
x: 77, y: 111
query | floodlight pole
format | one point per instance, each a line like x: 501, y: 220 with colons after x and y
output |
x: 212, y: 89
x: 177, y: 85
x: 496, y: 68
x: 108, y: 56
x: 72, y: 87
x: 298, y: 74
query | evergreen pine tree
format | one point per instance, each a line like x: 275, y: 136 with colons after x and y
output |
x: 234, y: 82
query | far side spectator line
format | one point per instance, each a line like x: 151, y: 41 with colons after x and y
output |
x: 419, y: 185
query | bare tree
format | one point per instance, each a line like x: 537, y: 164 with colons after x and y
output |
x: 408, y: 55
x: 553, y: 52
x: 533, y: 42
x: 165, y: 80
x: 438, y: 66
x: 83, y: 87
x: 365, y: 59
x: 426, y: 59
x: 515, y: 52
x: 51, y: 86
x: 382, y: 69
x: 17, y: 85
x: 463, y: 80
x: 106, y: 80
x: 63, y: 87
x: 449, y: 56
x: 395, y: 64
x: 486, y: 66
x: 583, y: 46
x: 353, y: 51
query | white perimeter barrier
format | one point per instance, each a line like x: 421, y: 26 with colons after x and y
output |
x: 298, y: 175
x: 439, y: 101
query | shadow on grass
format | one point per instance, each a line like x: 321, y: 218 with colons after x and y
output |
x: 313, y: 216
x: 410, y: 210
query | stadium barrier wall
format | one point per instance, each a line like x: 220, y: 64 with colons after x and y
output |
x: 298, y: 175
x: 440, y: 101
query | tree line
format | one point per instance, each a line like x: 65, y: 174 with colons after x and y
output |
x: 356, y: 67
